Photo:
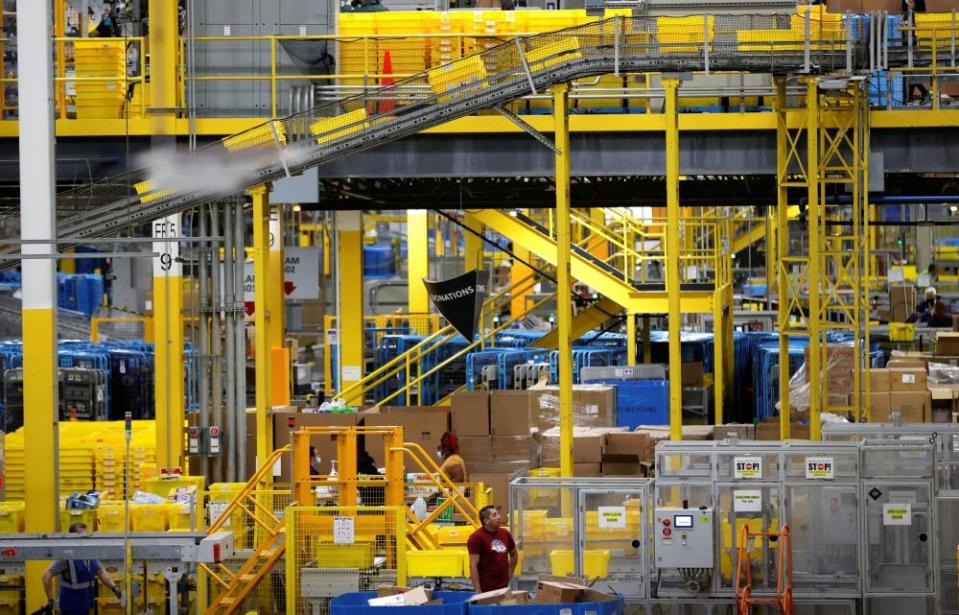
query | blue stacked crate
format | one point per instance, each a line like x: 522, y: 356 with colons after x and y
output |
x: 452, y: 375
x: 516, y: 338
x: 81, y: 292
x: 379, y: 261
x: 86, y: 356
x: 886, y: 89
x: 477, y: 362
x: 390, y: 347
x: 641, y: 402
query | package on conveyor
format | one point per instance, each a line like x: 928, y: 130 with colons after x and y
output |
x: 840, y: 362
x: 594, y: 405
x: 564, y: 590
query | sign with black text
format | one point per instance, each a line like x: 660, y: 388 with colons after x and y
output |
x: 459, y: 300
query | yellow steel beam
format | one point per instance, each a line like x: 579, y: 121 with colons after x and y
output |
x: 720, y: 343
x: 349, y: 259
x: 164, y: 32
x: 563, y: 250
x: 169, y: 394
x: 418, y: 263
x: 276, y: 312
x: 782, y: 249
x: 261, y: 293
x: 630, y: 339
x: 589, y: 319
x: 813, y: 216
x: 487, y: 124
x: 671, y: 118
x: 474, y: 243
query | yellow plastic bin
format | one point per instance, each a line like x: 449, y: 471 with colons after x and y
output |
x: 148, y: 517
x: 11, y: 517
x: 180, y: 519
x: 437, y: 563
x: 902, y: 332
x: 87, y: 517
x: 110, y: 517
x: 358, y: 555
x: 454, y: 535
x: 595, y: 562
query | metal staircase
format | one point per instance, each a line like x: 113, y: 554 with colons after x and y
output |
x: 487, y: 80
x: 254, y: 510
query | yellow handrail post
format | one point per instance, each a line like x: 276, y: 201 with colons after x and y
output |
x: 673, y: 288
x: 564, y: 308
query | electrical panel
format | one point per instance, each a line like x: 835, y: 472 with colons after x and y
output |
x: 684, y: 537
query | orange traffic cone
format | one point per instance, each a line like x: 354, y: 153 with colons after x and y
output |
x: 387, y: 103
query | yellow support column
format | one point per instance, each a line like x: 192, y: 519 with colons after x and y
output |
x: 630, y: 339
x: 262, y: 283
x: 782, y: 245
x: 598, y: 246
x: 672, y: 259
x: 418, y: 261
x: 169, y: 394
x: 349, y: 260
x: 474, y: 243
x: 720, y: 342
x: 276, y: 312
x: 520, y: 276
x: 163, y: 41
x: 564, y: 306
x: 38, y: 221
x: 813, y: 213
x: 771, y: 239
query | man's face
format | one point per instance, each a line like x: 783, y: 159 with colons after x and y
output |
x: 494, y: 520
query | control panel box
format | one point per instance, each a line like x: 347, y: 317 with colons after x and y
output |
x: 684, y: 537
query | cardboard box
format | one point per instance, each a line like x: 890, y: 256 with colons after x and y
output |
x: 509, y: 413
x: 947, y: 343
x: 422, y: 425
x: 594, y: 405
x: 325, y: 445
x: 907, y: 379
x: 769, y: 430
x: 913, y: 406
x: 692, y: 374
x: 498, y: 482
x: 879, y: 380
x: 627, y: 447
x: 588, y: 448
x: 494, y: 597
x: 469, y: 413
x: 742, y: 431
x: 510, y: 454
x: 587, y: 469
x: 414, y: 597
x: 557, y: 592
x: 902, y: 301
x: 476, y: 450
x: 879, y: 407
x: 624, y: 468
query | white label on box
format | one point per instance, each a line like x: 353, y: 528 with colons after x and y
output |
x: 226, y: 30
x: 897, y: 513
x: 820, y: 468
x: 344, y: 530
x: 909, y: 379
x: 612, y: 517
x: 747, y: 467
x: 592, y: 409
x: 747, y: 500
x: 896, y: 274
x: 216, y: 511
x: 352, y: 373
x: 302, y: 30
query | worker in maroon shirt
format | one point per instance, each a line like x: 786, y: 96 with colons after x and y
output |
x: 493, y: 554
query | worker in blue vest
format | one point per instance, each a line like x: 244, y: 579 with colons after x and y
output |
x: 78, y: 581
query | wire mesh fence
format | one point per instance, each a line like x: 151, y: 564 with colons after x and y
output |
x: 501, y: 73
x: 338, y: 549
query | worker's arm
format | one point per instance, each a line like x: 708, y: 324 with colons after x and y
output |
x: 474, y: 572
x: 47, y: 580
x: 513, y: 560
x: 455, y: 473
x: 107, y: 580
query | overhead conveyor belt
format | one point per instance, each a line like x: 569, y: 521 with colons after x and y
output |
x: 757, y: 43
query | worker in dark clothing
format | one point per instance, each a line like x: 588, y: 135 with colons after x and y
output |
x: 314, y: 462
x: 78, y: 582
x: 492, y: 551
x: 916, y: 6
x: 925, y: 309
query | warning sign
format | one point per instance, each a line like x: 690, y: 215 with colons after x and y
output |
x: 344, y: 530
x: 897, y: 513
x: 612, y: 517
x: 820, y: 468
x: 747, y: 500
x: 747, y: 467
